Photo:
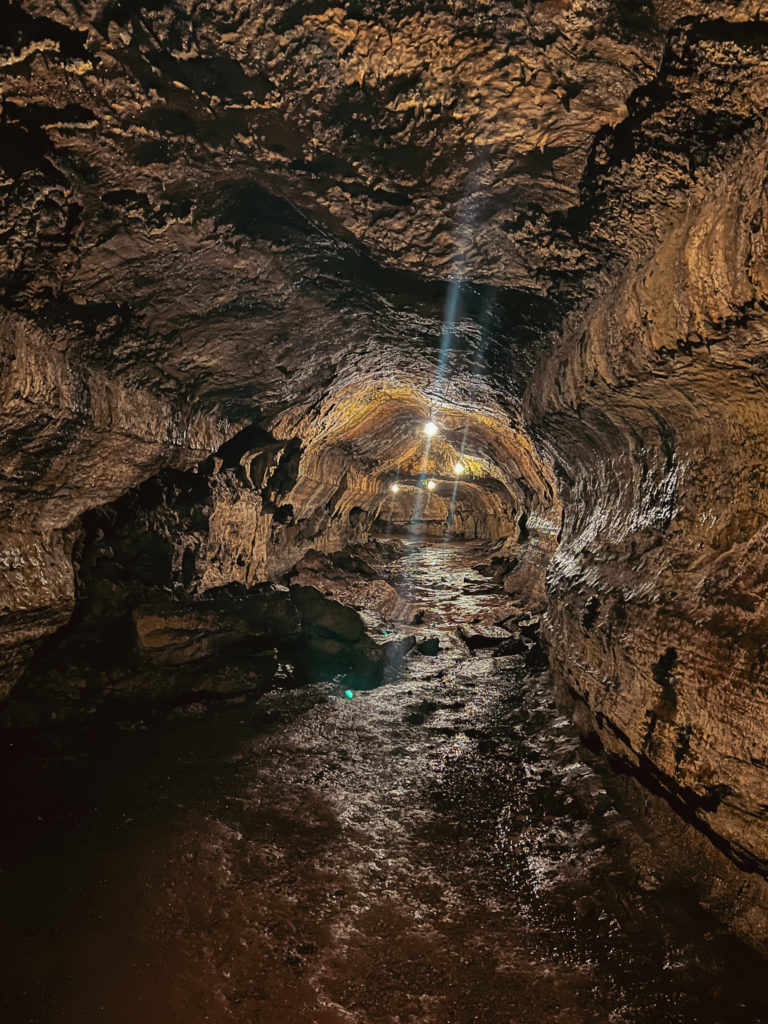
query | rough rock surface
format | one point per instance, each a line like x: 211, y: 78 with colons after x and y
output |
x: 541, y: 223
x: 657, y: 409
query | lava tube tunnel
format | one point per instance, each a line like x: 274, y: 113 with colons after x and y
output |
x: 384, y: 512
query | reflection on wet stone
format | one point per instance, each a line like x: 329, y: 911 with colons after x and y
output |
x: 438, y: 849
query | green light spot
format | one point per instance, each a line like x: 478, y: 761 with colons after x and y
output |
x: 348, y: 693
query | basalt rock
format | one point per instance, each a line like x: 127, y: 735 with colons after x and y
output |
x: 656, y: 406
x: 177, y: 648
x: 482, y: 637
x: 248, y: 250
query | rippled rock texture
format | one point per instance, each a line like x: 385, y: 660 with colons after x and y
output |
x: 657, y: 407
x: 248, y: 250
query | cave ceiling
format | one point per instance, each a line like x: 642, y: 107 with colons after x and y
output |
x: 246, y: 209
x: 198, y: 195
x: 292, y: 212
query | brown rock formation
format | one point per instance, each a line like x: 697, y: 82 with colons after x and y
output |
x: 249, y: 250
x: 657, y: 409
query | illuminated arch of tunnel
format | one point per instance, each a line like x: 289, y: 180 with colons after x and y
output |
x: 369, y: 436
x: 457, y: 508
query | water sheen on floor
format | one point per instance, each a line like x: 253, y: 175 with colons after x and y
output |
x: 437, y: 851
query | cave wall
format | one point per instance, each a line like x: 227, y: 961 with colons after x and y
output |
x: 214, y: 581
x: 245, y: 516
x: 181, y: 592
x: 72, y: 437
x: 657, y: 592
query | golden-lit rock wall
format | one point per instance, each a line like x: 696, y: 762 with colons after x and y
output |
x: 658, y: 592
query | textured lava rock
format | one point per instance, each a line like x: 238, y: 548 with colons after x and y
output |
x: 301, y: 229
x: 483, y: 637
x: 656, y: 406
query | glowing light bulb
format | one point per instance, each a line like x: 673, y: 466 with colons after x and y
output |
x: 431, y: 485
x: 394, y: 488
x: 458, y: 469
x: 430, y: 429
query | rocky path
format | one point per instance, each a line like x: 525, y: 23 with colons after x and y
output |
x: 437, y: 851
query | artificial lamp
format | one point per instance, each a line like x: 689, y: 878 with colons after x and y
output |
x: 458, y: 469
x: 394, y: 488
x: 431, y: 485
x: 430, y: 428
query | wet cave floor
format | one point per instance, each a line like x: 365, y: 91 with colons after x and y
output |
x: 441, y: 850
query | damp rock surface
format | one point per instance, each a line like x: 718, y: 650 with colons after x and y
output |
x: 249, y: 251
x: 439, y: 850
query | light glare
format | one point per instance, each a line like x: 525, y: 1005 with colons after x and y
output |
x: 430, y: 429
x: 458, y: 469
x: 394, y: 488
x: 431, y: 485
